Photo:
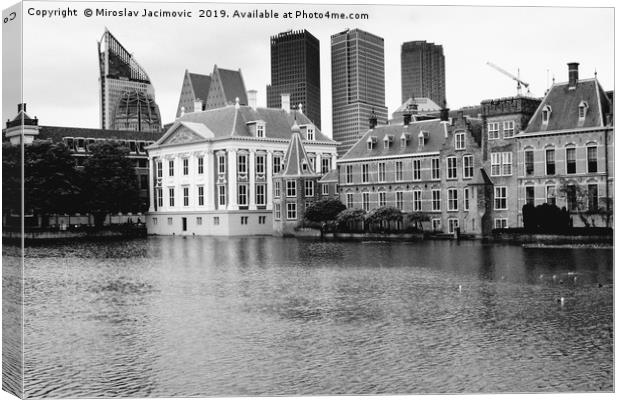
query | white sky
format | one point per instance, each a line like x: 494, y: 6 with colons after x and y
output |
x: 61, y: 67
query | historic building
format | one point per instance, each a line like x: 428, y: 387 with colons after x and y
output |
x: 212, y: 172
x: 423, y: 71
x: 194, y: 92
x: 566, y: 153
x: 358, y: 85
x: 127, y: 97
x: 296, y: 70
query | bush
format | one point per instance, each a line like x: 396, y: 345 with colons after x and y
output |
x: 545, y: 218
x: 351, y: 220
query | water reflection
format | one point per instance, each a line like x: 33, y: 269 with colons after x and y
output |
x: 263, y: 316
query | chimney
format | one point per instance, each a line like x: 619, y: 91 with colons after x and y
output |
x: 252, y: 98
x: 406, y: 118
x: 372, y: 121
x: 444, y: 114
x: 286, y: 102
x: 21, y: 107
x: 197, y: 105
x: 573, y: 75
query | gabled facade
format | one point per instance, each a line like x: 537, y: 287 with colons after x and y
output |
x: 226, y: 86
x: 194, y: 92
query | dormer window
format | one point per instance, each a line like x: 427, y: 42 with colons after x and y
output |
x: 546, y: 114
x: 304, y: 166
x: 370, y: 143
x: 310, y: 133
x: 583, y: 110
x: 422, y: 138
x: 386, y: 141
x: 404, y: 139
x: 260, y: 130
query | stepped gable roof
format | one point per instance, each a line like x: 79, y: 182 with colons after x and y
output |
x: 231, y: 121
x: 331, y: 176
x: 232, y: 83
x: 201, y: 84
x: 296, y: 162
x: 56, y: 133
x: 434, y: 127
x: 564, y: 103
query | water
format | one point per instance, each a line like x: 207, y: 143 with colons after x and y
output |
x: 169, y: 316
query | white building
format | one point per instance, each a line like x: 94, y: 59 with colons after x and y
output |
x: 211, y: 172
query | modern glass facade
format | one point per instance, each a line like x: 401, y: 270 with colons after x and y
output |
x: 423, y: 71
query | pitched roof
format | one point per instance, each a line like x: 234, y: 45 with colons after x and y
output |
x: 233, y: 85
x: 423, y: 103
x: 201, y: 84
x: 564, y: 103
x: 56, y: 133
x: 436, y: 137
x: 331, y: 176
x: 296, y: 162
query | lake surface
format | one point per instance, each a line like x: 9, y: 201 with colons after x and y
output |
x: 168, y: 316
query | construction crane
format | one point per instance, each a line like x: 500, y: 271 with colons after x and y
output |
x: 516, y: 78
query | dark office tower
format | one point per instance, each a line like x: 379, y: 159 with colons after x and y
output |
x: 296, y: 70
x: 358, y: 85
x: 423, y: 72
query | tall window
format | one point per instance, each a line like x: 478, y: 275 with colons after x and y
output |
x: 309, y: 188
x: 453, y: 223
x: 382, y: 199
x: 291, y: 188
x: 171, y: 168
x: 468, y: 166
x: 436, y: 199
x: 186, y: 166
x: 365, y: 177
x: 310, y: 133
x: 493, y: 130
x: 509, y: 129
x: 551, y: 194
x: 159, y: 169
x: 221, y: 195
x: 501, y: 164
x: 466, y: 199
x: 221, y: 164
x: 260, y: 130
x: 417, y: 200
x: 529, y: 195
x: 242, y: 195
x: 550, y: 161
x: 399, y: 200
x: 453, y: 200
x: 529, y: 162
x: 381, y: 167
x: 592, y: 159
x: 349, y: 200
x: 459, y: 141
x: 417, y: 169
x: 546, y: 114
x: 277, y: 211
x: 571, y: 162
x: 593, y: 197
x: 160, y: 197
x: 496, y: 164
x: 260, y: 194
x: 451, y: 170
x: 277, y: 164
x: 326, y: 165
x: 349, y: 175
x: 571, y: 197
x: 366, y: 201
x: 435, y: 168
x: 201, y: 195
x: 242, y: 164
x: 260, y: 164
x: 185, y: 196
x: 171, y: 196
x: 507, y: 163
x: 291, y: 210
x: 500, y: 197
x: 276, y: 189
x: 399, y: 170
x: 201, y: 165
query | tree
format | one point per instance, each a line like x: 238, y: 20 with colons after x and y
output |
x: 417, y: 218
x: 323, y: 211
x: 110, y: 181
x: 11, y: 179
x: 384, y: 216
x: 529, y: 217
x: 579, y: 196
x: 351, y: 219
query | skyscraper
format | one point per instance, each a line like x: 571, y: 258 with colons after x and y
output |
x: 127, y: 95
x: 423, y: 71
x: 358, y: 85
x: 296, y: 70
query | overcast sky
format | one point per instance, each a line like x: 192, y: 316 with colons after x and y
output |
x: 61, y: 68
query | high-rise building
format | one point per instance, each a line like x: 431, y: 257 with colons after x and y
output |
x: 296, y: 70
x: 127, y: 95
x: 358, y: 85
x: 423, y: 71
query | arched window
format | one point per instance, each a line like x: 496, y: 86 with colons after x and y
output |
x: 546, y: 114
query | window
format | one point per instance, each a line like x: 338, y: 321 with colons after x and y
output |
x: 496, y: 163
x: 453, y: 200
x: 310, y: 133
x: 171, y: 197
x: 571, y: 162
x: 417, y: 200
x: 466, y: 199
x: 593, y: 197
x: 459, y: 141
x: 583, y: 109
x: 221, y: 164
x: 417, y: 169
x: 325, y: 189
x: 451, y: 167
x: 260, y: 130
x: 277, y: 214
x: 592, y: 159
x: 529, y: 162
x: 387, y: 140
x: 551, y: 195
x: 382, y: 199
x: 169, y: 220
x: 185, y: 196
x: 501, y: 164
x: 436, y: 199
x: 244, y: 220
x: 242, y: 164
x: 260, y: 194
x: 276, y: 189
x: 509, y: 129
x: 216, y: 220
x: 221, y: 195
x: 529, y: 195
x: 326, y: 165
x: 435, y: 168
x: 309, y: 188
x: 291, y: 189
x: 242, y: 195
x: 291, y: 210
x: 160, y: 197
x: 198, y: 220
x: 381, y: 167
x: 468, y: 166
x: 366, y: 201
x: 550, y: 161
x: 500, y: 197
x: 501, y: 223
x: 201, y: 165
x: 262, y: 219
x: 546, y: 114
x: 260, y: 164
x: 349, y: 174
x: 159, y: 169
x: 365, y: 177
x: 154, y: 221
x: 453, y: 224
x: 277, y: 164
x: 143, y: 182
x: 399, y: 170
x: 349, y: 200
x: 507, y: 163
x: 436, y: 224
x: 399, y: 200
x: 171, y: 168
x: 186, y: 166
x: 201, y: 195
x: 571, y: 197
x: 493, y: 130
